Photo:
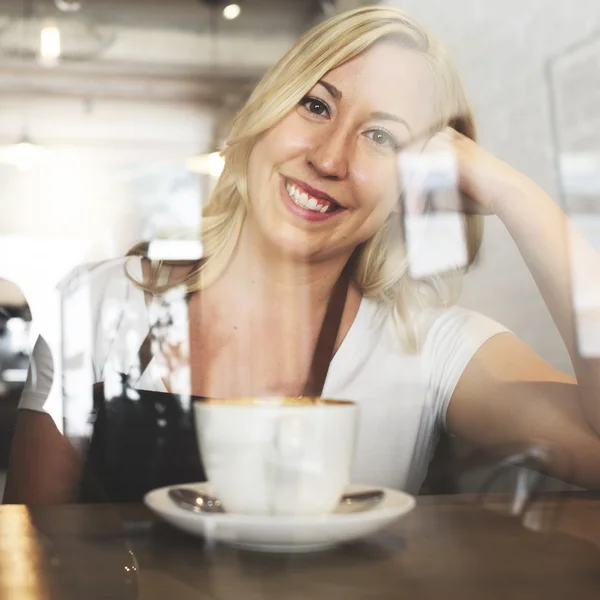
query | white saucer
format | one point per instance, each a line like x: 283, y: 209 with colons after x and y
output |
x: 281, y: 533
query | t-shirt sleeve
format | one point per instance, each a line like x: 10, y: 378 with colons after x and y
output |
x: 39, y: 390
x: 453, y: 338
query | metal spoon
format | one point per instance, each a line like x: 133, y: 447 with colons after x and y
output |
x: 359, y: 501
x: 197, y: 502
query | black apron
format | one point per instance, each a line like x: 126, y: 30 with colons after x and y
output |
x: 143, y: 440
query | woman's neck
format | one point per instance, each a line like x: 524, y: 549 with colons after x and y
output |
x: 261, y: 320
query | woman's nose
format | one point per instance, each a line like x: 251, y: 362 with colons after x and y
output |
x: 329, y: 152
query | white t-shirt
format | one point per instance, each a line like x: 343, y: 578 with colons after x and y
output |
x: 402, y: 397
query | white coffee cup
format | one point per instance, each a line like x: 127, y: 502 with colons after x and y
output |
x: 277, y: 456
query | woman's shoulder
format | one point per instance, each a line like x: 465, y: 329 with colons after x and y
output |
x: 438, y: 330
x: 456, y: 321
x: 452, y: 336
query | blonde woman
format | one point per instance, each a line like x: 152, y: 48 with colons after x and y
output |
x: 309, y: 199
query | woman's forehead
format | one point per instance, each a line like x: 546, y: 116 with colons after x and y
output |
x: 387, y: 78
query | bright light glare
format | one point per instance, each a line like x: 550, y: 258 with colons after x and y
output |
x: 25, y: 155
x: 50, y: 45
x: 206, y: 164
x: 68, y: 6
x: 14, y: 375
x: 16, y: 326
x: 580, y: 173
x: 175, y: 250
x: 232, y: 11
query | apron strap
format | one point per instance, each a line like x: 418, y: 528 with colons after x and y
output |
x: 330, y: 328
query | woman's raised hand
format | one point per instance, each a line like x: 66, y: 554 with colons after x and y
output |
x: 483, y: 181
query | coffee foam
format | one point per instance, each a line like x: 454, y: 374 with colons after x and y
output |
x: 273, y: 401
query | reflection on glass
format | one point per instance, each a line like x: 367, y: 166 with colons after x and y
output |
x: 574, y: 78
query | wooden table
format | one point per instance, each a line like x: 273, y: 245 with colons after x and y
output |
x: 449, y: 547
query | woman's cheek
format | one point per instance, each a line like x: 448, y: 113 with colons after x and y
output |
x: 381, y: 193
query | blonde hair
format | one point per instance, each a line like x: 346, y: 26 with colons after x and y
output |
x: 381, y: 270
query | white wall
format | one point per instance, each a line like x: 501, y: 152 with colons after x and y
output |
x: 95, y: 160
x: 105, y: 171
x: 501, y: 47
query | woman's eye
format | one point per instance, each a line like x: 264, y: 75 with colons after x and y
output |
x: 315, y: 106
x: 382, y: 138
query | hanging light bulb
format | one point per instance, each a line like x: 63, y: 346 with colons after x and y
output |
x: 25, y: 154
x: 232, y: 11
x: 50, y: 45
x: 68, y: 6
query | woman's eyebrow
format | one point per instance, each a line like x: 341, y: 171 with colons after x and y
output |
x: 384, y: 116
x: 337, y: 94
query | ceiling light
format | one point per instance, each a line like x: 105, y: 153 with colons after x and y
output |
x: 68, y: 6
x: 206, y: 164
x: 24, y: 155
x: 67, y: 37
x: 50, y: 45
x: 232, y: 11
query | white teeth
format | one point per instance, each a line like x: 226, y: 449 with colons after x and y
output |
x: 304, y: 200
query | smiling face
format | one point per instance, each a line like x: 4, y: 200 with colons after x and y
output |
x: 324, y: 179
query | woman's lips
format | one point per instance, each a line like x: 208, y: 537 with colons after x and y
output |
x: 315, y: 193
x: 308, y: 214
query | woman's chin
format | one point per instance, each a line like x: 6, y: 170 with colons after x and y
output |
x: 294, y: 246
x: 285, y: 240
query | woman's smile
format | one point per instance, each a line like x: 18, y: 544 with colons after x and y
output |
x: 308, y: 203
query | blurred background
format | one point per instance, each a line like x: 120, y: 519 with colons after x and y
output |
x: 111, y: 112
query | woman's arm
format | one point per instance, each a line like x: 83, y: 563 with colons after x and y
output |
x: 509, y: 394
x: 44, y: 467
x: 509, y: 399
x: 546, y: 240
